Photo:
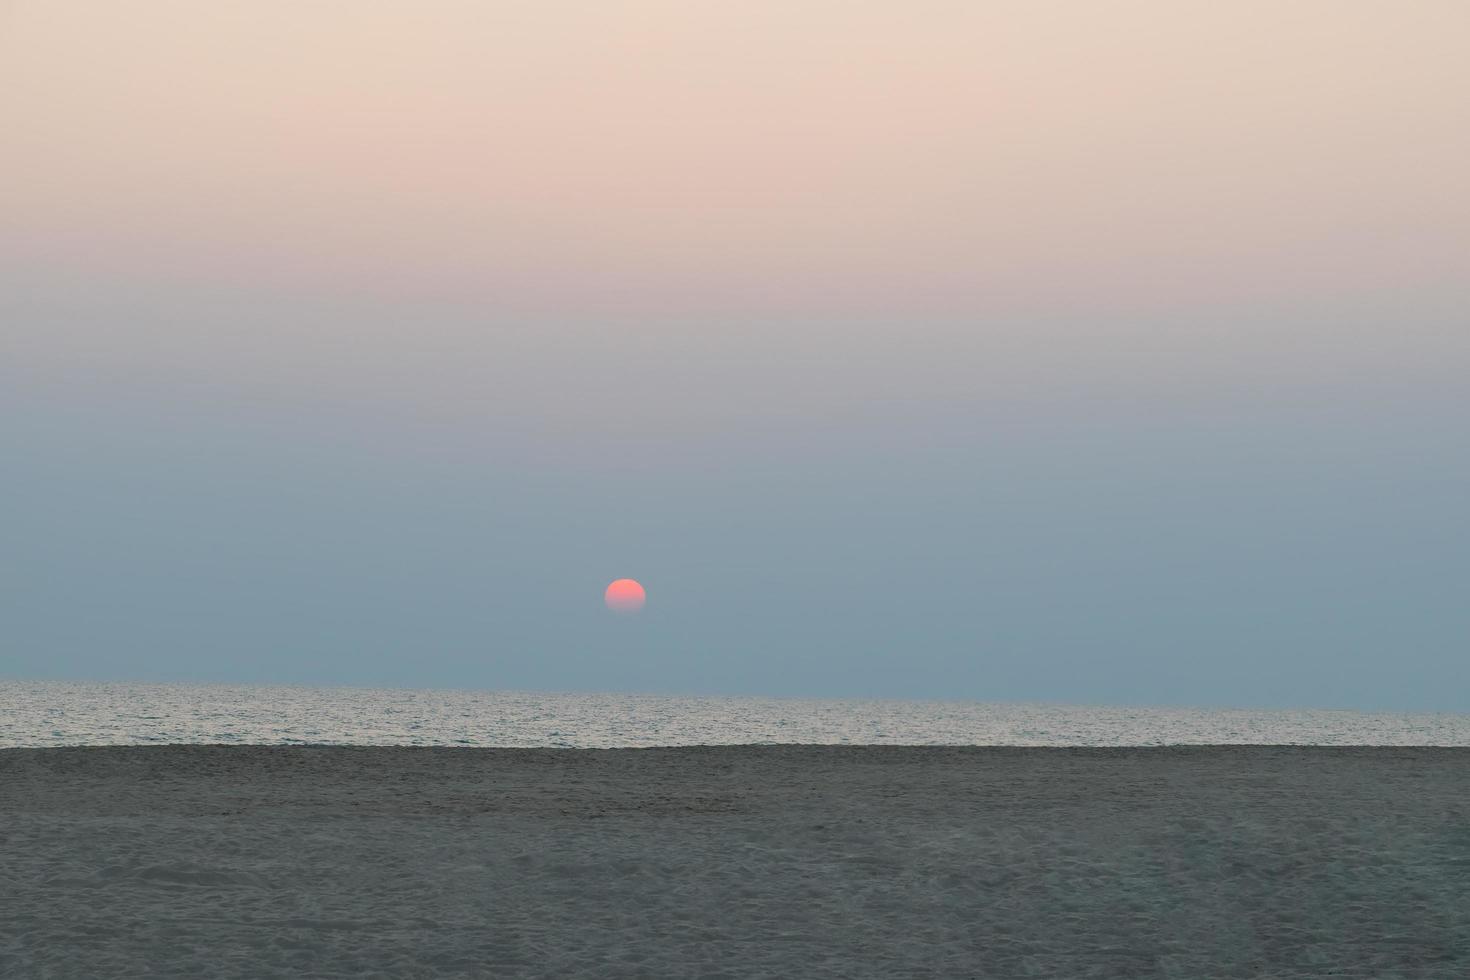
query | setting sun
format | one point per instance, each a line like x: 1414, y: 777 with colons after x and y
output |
x: 625, y: 595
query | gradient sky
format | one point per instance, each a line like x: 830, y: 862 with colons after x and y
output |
x: 1008, y: 350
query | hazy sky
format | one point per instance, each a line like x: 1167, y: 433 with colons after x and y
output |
x: 1100, y: 352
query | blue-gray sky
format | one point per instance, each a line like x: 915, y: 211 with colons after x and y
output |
x: 1125, y: 363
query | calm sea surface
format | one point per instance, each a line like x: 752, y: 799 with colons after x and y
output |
x: 44, y: 713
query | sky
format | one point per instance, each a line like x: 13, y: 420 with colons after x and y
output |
x: 1060, y: 351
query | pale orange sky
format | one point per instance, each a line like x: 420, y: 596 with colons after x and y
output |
x: 929, y: 155
x: 1101, y: 351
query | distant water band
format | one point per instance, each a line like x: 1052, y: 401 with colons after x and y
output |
x: 47, y: 713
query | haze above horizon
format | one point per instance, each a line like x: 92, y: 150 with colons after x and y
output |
x: 1004, y: 351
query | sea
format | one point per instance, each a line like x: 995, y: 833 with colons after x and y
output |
x: 41, y: 713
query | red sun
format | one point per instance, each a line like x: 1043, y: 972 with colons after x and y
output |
x: 625, y: 596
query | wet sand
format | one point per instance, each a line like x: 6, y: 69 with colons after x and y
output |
x: 775, y: 861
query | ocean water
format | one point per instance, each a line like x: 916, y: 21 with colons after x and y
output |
x: 51, y: 713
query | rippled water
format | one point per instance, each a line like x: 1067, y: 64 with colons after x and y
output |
x: 45, y: 713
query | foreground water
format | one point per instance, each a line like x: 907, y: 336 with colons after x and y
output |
x: 48, y: 713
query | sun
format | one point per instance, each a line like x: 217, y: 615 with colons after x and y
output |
x: 625, y: 596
